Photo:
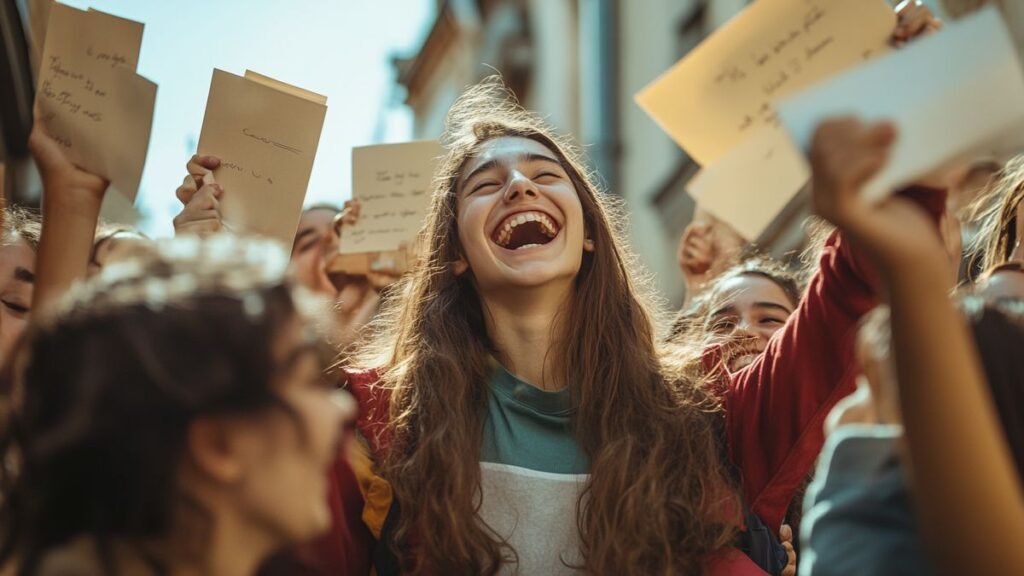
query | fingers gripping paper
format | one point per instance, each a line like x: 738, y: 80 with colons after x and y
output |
x: 266, y: 134
x: 392, y: 183
x: 89, y: 97
x: 973, y: 103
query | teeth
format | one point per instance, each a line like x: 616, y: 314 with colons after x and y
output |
x: 547, y: 224
x: 528, y: 246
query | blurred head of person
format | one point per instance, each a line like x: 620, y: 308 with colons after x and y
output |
x: 998, y: 330
x: 115, y: 243
x: 741, y: 310
x: 316, y: 240
x: 173, y: 409
x: 21, y: 230
x: 1003, y: 283
x: 997, y: 214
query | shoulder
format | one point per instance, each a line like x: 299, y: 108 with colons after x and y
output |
x: 373, y: 399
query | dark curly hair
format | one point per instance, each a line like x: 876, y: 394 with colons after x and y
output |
x: 105, y: 385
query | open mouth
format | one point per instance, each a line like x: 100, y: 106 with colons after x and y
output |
x: 743, y: 358
x: 525, y: 230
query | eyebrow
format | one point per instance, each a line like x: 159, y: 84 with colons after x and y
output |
x: 24, y: 275
x: 769, y: 305
x: 302, y: 235
x: 773, y: 306
x: 524, y: 157
x: 722, y: 311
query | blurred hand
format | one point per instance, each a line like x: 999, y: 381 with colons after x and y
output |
x: 200, y: 172
x: 845, y: 155
x: 201, y: 196
x: 786, y: 538
x: 914, y: 19
x: 348, y: 216
x: 64, y: 182
x: 696, y: 250
x: 201, y: 214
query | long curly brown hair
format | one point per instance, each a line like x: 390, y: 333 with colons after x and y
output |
x: 658, y: 500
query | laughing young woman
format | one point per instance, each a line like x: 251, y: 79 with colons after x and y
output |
x: 523, y: 418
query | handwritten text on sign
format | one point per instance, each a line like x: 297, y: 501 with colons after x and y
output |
x: 716, y: 96
x: 392, y: 183
x: 266, y: 137
x: 90, y: 99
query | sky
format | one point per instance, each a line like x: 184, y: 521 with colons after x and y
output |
x: 339, y: 48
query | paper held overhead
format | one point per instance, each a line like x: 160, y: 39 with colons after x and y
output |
x: 749, y: 186
x: 89, y: 97
x: 266, y: 134
x: 392, y: 183
x: 723, y: 90
x: 957, y: 93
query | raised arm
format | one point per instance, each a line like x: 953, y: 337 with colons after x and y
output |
x: 71, y: 208
x: 776, y: 407
x: 961, y: 472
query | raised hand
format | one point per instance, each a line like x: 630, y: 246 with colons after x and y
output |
x: 914, y: 19
x: 62, y: 180
x: 71, y: 206
x: 696, y: 253
x: 845, y: 154
x: 201, y: 195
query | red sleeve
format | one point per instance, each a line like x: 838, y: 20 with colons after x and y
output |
x: 776, y: 407
x: 373, y: 407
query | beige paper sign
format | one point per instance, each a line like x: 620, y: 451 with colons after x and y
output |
x: 723, y: 90
x: 89, y: 97
x: 392, y: 183
x: 973, y: 104
x: 266, y: 138
x: 752, y: 183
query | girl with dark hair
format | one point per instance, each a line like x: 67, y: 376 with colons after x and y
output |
x: 741, y: 310
x: 171, y: 417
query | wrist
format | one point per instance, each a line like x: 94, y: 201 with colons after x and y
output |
x: 71, y: 200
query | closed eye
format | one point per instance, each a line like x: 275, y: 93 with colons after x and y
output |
x: 15, y: 307
x: 724, y: 324
x: 483, y: 185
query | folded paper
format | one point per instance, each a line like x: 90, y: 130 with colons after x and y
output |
x: 266, y: 134
x: 89, y: 97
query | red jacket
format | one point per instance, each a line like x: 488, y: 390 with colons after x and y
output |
x: 775, y: 408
